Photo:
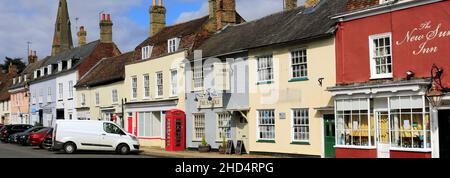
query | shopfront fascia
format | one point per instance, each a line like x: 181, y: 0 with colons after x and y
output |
x: 388, y: 120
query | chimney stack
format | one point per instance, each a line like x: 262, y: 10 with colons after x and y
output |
x: 212, y: 9
x: 32, y: 57
x: 12, y: 70
x: 106, y: 29
x: 225, y: 13
x: 81, y: 36
x: 290, y: 4
x: 311, y: 3
x: 157, y: 17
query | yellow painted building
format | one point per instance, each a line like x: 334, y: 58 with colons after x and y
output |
x: 153, y: 87
x: 286, y: 110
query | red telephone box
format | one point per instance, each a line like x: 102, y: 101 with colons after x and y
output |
x: 175, y: 130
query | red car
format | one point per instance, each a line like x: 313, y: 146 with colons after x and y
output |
x: 37, y: 138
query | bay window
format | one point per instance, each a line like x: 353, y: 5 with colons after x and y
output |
x: 266, y: 124
x: 409, y: 123
x: 352, y: 123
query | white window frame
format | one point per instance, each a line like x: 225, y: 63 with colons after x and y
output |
x: 198, y: 78
x: 146, y: 52
x: 294, y: 124
x: 49, y: 94
x: 146, y: 86
x: 373, y: 72
x: 291, y: 63
x: 173, y: 44
x: 70, y: 89
x: 60, y: 91
x: 173, y: 84
x: 115, y: 96
x: 198, y: 126
x: 97, y: 98
x: 263, y: 68
x: 258, y: 125
x: 221, y: 118
x: 83, y: 99
x: 159, y: 83
x: 41, y: 95
x: 134, y: 89
x: 372, y: 143
x: 151, y: 124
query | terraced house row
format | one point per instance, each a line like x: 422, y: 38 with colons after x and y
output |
x: 347, y: 78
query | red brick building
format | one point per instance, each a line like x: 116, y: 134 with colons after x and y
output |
x: 389, y: 55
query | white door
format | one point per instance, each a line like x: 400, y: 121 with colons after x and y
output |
x: 383, y: 145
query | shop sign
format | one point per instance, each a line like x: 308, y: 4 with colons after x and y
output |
x: 425, y: 33
x: 216, y: 102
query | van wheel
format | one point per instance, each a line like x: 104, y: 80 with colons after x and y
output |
x: 70, y: 148
x: 123, y: 149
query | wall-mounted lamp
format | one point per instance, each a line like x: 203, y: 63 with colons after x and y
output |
x: 435, y: 94
x: 320, y: 80
x: 409, y: 75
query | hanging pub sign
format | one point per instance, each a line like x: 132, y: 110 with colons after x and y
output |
x: 215, y: 102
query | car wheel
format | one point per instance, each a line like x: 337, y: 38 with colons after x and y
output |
x: 123, y: 149
x: 70, y: 148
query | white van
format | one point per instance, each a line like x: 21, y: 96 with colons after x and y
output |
x: 72, y: 135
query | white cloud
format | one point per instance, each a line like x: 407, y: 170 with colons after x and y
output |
x: 33, y: 20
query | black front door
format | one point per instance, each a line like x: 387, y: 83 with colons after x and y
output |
x: 60, y: 114
x: 444, y: 133
x: 41, y: 116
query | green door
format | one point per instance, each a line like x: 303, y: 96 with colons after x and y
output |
x: 329, y: 134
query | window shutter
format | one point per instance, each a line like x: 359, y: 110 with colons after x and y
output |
x: 221, y: 76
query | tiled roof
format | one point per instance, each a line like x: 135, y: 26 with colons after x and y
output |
x: 186, y: 31
x: 106, y: 71
x: 360, y: 4
x: 29, y: 71
x: 80, y: 52
x: 287, y: 26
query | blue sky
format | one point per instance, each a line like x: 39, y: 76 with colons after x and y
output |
x: 33, y: 20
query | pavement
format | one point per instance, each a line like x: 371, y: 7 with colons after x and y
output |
x: 157, y: 151
x: 8, y: 150
x: 17, y: 151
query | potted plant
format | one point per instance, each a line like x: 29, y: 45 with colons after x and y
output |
x: 204, y: 147
x: 223, y: 147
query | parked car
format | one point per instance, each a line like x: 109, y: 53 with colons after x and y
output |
x: 48, y: 140
x: 37, y: 138
x: 71, y: 135
x: 22, y: 137
x: 12, y: 129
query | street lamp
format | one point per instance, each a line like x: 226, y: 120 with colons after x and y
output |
x: 435, y: 94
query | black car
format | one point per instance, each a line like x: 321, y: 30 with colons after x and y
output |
x: 12, y: 129
x: 22, y: 137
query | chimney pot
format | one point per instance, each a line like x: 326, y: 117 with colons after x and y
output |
x: 109, y: 17
x: 290, y: 4
x: 103, y: 17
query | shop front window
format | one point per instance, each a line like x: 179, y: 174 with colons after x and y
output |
x: 410, y: 123
x: 353, y: 127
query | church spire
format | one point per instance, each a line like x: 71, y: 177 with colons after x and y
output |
x: 62, y: 39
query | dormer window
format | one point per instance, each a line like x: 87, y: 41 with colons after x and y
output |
x: 69, y: 64
x: 385, y: 1
x: 38, y: 73
x: 35, y: 74
x: 49, y: 69
x: 14, y: 81
x: 173, y: 44
x: 147, y: 52
x: 64, y: 65
x: 60, y: 66
x: 20, y: 79
x: 25, y: 78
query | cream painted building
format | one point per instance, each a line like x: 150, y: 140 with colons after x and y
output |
x: 100, y: 92
x: 153, y: 87
x: 284, y: 111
